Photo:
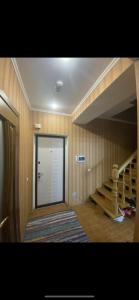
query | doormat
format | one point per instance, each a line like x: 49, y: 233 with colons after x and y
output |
x: 61, y: 226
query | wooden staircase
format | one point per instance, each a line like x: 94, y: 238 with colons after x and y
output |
x: 120, y: 189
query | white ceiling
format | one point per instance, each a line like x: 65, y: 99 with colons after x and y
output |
x: 39, y: 76
x: 115, y: 99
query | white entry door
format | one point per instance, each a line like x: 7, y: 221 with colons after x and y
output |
x: 50, y: 164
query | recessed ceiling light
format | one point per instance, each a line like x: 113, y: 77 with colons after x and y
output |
x: 54, y: 105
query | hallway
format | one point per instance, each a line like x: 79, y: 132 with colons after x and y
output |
x: 69, y: 140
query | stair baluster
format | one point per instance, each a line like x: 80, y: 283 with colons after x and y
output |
x: 130, y: 181
x: 120, y: 189
x: 123, y: 191
x: 115, y: 177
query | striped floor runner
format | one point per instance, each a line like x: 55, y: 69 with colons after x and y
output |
x: 57, y: 227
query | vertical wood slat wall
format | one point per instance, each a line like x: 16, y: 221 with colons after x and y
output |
x: 10, y: 85
x: 103, y: 142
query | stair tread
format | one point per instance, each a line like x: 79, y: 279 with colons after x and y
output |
x: 105, y: 196
x: 106, y: 193
x: 102, y: 202
x: 108, y: 184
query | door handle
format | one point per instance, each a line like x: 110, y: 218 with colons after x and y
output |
x: 3, y: 222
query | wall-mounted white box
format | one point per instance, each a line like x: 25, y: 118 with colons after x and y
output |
x: 37, y: 126
x: 80, y: 158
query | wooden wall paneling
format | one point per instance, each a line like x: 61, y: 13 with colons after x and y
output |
x: 76, y: 169
x: 11, y: 190
x: 73, y: 166
x: 78, y: 151
x: 98, y: 141
x: 110, y: 158
x: 92, y: 155
x: 97, y: 157
x: 86, y: 146
x: 103, y: 157
x: 87, y: 164
x: 79, y: 166
x: 83, y: 166
x: 69, y: 134
x: 103, y: 142
x: 87, y: 155
x: 10, y: 85
x: 76, y: 173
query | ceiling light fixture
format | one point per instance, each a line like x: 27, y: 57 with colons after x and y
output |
x: 54, y: 105
x: 59, y: 85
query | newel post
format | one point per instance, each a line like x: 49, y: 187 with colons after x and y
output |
x: 115, y: 177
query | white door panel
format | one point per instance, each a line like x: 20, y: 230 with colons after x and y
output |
x: 50, y: 168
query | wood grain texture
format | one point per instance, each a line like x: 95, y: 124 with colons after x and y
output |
x: 100, y: 228
x: 113, y: 74
x: 49, y: 210
x: 10, y: 85
x: 103, y: 142
x: 10, y: 210
x: 97, y: 226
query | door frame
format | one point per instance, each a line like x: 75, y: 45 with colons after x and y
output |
x: 9, y: 113
x: 36, y: 167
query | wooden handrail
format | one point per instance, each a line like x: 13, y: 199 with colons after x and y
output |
x: 127, y: 162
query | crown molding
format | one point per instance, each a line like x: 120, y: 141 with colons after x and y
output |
x: 100, y: 78
x: 20, y: 81
x: 50, y: 112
